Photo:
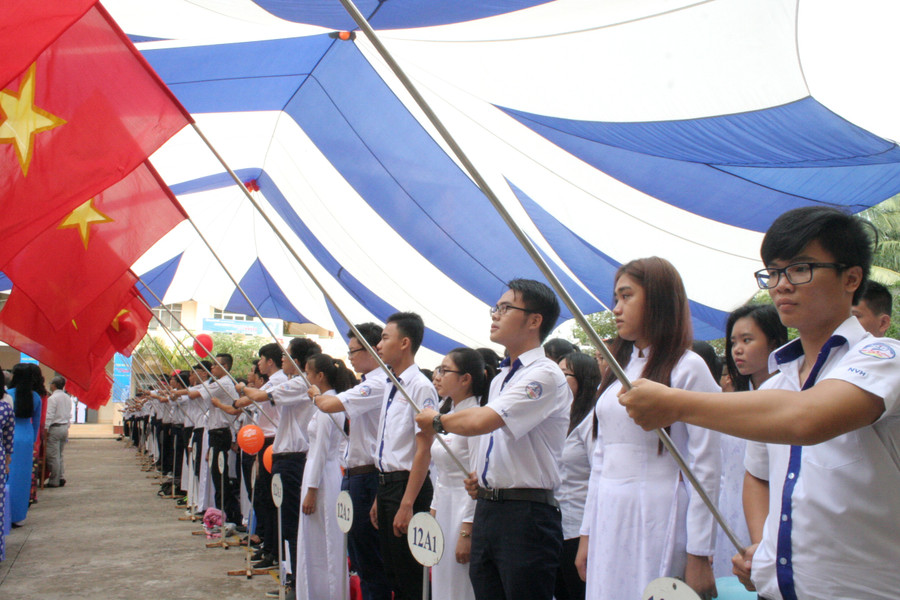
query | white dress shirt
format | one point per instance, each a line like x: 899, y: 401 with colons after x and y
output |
x: 296, y: 409
x: 59, y: 409
x: 534, y: 405
x: 362, y: 403
x: 844, y: 522
x: 395, y: 445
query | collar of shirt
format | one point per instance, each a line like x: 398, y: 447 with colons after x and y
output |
x: 780, y: 358
x: 527, y: 357
x: 406, y: 375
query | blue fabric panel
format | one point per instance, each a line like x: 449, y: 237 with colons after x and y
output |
x: 362, y: 294
x: 265, y: 294
x: 158, y: 279
x: 749, y: 197
x: 244, y: 76
x: 801, y: 133
x: 391, y: 14
x: 137, y: 39
x: 257, y: 276
x: 391, y: 161
x: 213, y: 182
x: 597, y: 270
x: 5, y: 283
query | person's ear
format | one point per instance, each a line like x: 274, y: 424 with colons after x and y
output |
x: 853, y: 278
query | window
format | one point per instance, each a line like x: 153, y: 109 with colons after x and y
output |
x: 169, y: 320
x: 223, y: 314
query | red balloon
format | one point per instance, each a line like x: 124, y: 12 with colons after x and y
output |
x: 267, y: 459
x: 203, y: 345
x: 251, y: 439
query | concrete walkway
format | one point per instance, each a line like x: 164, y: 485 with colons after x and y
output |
x: 106, y: 535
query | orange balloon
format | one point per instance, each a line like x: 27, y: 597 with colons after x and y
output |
x: 251, y: 439
x: 267, y: 459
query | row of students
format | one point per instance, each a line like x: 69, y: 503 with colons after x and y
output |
x: 641, y: 520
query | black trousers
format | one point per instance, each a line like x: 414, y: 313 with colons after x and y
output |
x: 197, y: 442
x: 516, y: 547
x: 290, y: 466
x: 266, y: 517
x: 404, y: 573
x: 166, y: 450
x: 363, y: 543
x: 178, y: 435
x: 569, y: 585
x: 228, y: 499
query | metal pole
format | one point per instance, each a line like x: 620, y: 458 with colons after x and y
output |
x: 314, y: 279
x: 528, y: 245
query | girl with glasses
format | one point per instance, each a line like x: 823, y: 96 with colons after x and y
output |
x: 463, y: 380
x: 583, y: 376
x: 641, y: 519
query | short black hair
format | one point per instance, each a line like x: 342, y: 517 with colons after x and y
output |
x: 271, y: 351
x: 302, y: 348
x: 557, y: 348
x: 410, y: 325
x: 226, y: 360
x: 846, y: 237
x: 878, y: 298
x: 370, y: 331
x: 539, y: 299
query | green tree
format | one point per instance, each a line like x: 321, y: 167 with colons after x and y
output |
x: 604, y: 323
x: 158, y: 357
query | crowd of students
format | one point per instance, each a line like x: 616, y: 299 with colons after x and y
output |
x: 568, y: 493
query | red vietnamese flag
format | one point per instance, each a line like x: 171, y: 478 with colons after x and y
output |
x: 86, y: 113
x: 28, y: 27
x: 75, y: 259
x: 78, y: 346
x: 98, y: 392
x: 127, y: 328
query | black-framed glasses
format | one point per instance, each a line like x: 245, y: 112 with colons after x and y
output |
x: 352, y: 352
x: 796, y: 273
x: 502, y: 309
x: 441, y: 371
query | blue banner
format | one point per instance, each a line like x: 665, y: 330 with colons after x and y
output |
x: 121, y: 378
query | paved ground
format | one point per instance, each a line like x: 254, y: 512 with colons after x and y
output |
x: 106, y: 535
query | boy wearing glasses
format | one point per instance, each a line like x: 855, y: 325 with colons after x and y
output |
x: 517, y: 531
x: 829, y: 423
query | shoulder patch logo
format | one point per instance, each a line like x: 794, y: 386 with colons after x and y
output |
x: 364, y: 391
x: 878, y: 350
x: 534, y: 390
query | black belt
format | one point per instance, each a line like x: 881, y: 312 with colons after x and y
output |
x: 282, y: 455
x: 362, y: 470
x: 393, y: 477
x: 523, y: 494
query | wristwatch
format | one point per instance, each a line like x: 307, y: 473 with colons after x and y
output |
x: 271, y: 398
x: 437, y: 425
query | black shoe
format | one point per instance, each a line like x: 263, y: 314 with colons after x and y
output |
x: 257, y: 555
x: 62, y: 482
x: 240, y: 528
x: 267, y: 562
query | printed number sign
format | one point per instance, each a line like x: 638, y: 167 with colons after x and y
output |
x: 277, y: 490
x: 425, y: 538
x: 668, y: 588
x: 344, y: 509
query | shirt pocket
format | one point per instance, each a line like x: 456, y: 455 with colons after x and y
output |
x: 839, y: 452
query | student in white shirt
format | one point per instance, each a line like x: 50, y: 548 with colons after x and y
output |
x: 517, y: 529
x: 830, y: 421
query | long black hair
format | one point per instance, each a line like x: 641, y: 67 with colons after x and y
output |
x: 471, y: 362
x: 766, y: 318
x: 339, y: 377
x: 23, y: 382
x: 587, y: 373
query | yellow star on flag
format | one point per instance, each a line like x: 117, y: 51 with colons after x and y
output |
x: 82, y: 218
x: 115, y: 322
x: 20, y: 119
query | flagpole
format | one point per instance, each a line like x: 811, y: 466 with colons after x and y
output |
x: 177, y: 343
x: 529, y: 247
x: 237, y: 285
x: 359, y: 337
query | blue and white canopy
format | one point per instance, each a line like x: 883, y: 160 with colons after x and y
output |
x: 610, y: 130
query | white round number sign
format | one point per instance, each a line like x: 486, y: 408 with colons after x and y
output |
x: 425, y: 538
x: 344, y: 509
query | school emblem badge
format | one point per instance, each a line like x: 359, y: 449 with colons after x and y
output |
x: 878, y: 350
x: 534, y: 390
x: 364, y: 391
